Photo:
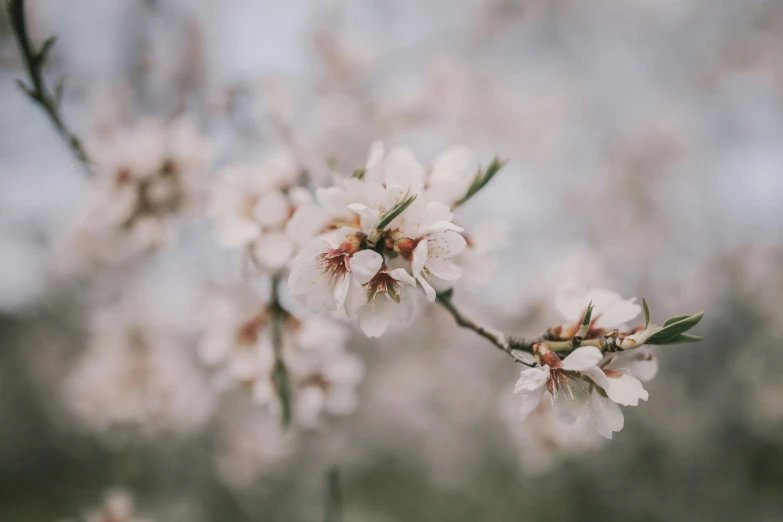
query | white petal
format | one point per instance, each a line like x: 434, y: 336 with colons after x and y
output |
x: 232, y: 233
x: 365, y: 265
x: 532, y: 379
x: 445, y: 243
x: 307, y: 222
x: 626, y: 390
x: 272, y: 209
x: 274, y: 250
x: 604, y: 414
x: 419, y: 258
x: 403, y: 170
x: 364, y: 211
x: 444, y: 269
x: 528, y: 401
x: 428, y: 290
x: 356, y: 298
x: 582, y: 359
x: 340, y: 291
x: 402, y: 275
x: 375, y: 318
x: 375, y: 155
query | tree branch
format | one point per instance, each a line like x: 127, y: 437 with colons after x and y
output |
x: 280, y: 376
x: 39, y: 92
x: 501, y: 341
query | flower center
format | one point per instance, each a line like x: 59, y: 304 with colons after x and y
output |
x: 381, y: 283
x: 337, y: 261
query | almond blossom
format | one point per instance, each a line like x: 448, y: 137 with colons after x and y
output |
x: 251, y: 205
x: 144, y: 175
x: 581, y: 384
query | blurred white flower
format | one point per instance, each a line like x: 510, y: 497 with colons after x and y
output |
x: 610, y: 310
x: 451, y: 174
x: 144, y: 175
x: 375, y: 296
x: 135, y: 382
x: 479, y: 258
x: 251, y: 206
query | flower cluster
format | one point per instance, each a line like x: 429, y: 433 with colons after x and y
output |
x: 251, y: 206
x: 238, y: 341
x: 386, y: 230
x: 590, y: 383
x: 148, y: 385
x: 143, y: 175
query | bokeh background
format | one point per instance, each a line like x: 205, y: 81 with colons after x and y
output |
x: 645, y: 140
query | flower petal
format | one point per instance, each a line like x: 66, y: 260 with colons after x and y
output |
x: 402, y: 275
x: 419, y: 258
x: 582, y: 358
x: 625, y: 389
x: 365, y: 265
x: 605, y: 415
x: 375, y: 318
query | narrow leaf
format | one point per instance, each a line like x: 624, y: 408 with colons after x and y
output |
x: 677, y: 339
x: 359, y: 173
x: 588, y: 315
x: 40, y: 59
x: 674, y: 327
x: 483, y: 177
x: 646, y: 313
x: 395, y: 211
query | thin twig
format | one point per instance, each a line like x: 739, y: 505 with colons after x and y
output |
x: 280, y: 376
x: 39, y: 92
x: 333, y: 511
x: 502, y: 341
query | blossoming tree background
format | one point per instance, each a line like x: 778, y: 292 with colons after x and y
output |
x: 358, y: 261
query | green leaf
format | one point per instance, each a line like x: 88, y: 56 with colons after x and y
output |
x: 646, y: 313
x: 675, y: 319
x: 395, y: 211
x: 482, y: 179
x: 588, y: 315
x: 673, y: 329
x: 677, y: 339
x: 359, y: 173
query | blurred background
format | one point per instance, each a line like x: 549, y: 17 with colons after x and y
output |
x: 645, y: 146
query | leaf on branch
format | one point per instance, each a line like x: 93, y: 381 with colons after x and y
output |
x: 482, y: 179
x: 359, y: 173
x: 395, y: 211
x: 588, y: 315
x: 32, y: 94
x: 646, y: 313
x: 673, y: 330
x: 40, y: 58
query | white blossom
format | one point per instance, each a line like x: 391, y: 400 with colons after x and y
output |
x: 133, y: 381
x: 251, y: 206
x: 144, y: 175
x: 581, y: 384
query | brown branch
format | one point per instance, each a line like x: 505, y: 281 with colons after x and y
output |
x: 39, y: 92
x: 509, y: 345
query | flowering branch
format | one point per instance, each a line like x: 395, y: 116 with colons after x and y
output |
x: 39, y: 92
x: 280, y: 376
x: 672, y: 332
